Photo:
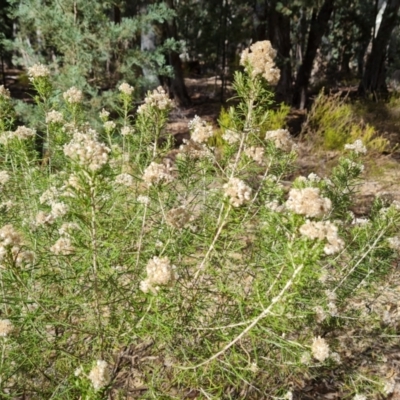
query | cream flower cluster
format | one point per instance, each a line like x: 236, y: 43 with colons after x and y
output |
x: 87, y: 150
x: 126, y: 130
x: 156, y: 99
x: 38, y: 71
x: 49, y: 195
x: 193, y: 149
x: 126, y: 88
x: 143, y: 199
x: 21, y: 133
x: 43, y: 218
x: 4, y: 92
x: 308, y: 202
x: 53, y: 117
x: 104, y: 114
x: 73, y: 95
x: 357, y: 147
x: 231, y: 136
x: 58, y: 209
x: 320, y: 349
x: 282, y: 139
x: 68, y: 227
x: 99, y: 375
x: 256, y: 153
x: 260, y: 56
x: 10, y: 239
x: 156, y: 173
x: 323, y: 230
x: 4, y: 177
x: 159, y: 272
x: 109, y: 125
x: 394, y: 243
x: 63, y: 246
x: 200, y: 130
x: 6, y: 327
x: 124, y: 179
x: 178, y: 217
x: 238, y: 192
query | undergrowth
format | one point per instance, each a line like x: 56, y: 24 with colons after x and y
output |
x: 332, y: 122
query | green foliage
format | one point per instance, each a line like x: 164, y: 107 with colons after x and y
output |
x: 331, y: 123
x: 79, y: 40
x: 193, y: 270
x: 274, y: 118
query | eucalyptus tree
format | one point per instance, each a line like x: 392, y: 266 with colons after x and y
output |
x: 374, y: 77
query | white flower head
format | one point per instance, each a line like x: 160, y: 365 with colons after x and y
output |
x: 256, y: 153
x: 260, y: 56
x: 38, y: 71
x: 394, y: 243
x: 23, y: 133
x: 4, y: 177
x: 126, y: 131
x: 159, y: 272
x: 156, y: 173
x: 358, y: 147
x: 282, y: 139
x: 320, y: 349
x: 100, y: 375
x: 4, y: 92
x: 143, y: 199
x: 58, y: 209
x: 200, y: 130
x: 231, y: 136
x: 308, y: 202
x: 237, y: 191
x: 109, y: 125
x: 73, y: 95
x: 125, y: 88
x: 156, y: 99
x: 124, y: 179
x: 323, y: 230
x: 53, y: 117
x: 6, y: 327
x: 63, y: 247
x: 87, y: 150
x: 104, y: 114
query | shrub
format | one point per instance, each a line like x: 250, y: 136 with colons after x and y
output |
x: 331, y: 123
x: 190, y: 272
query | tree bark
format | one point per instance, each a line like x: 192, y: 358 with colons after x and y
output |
x: 148, y: 42
x: 177, y: 85
x: 279, y: 35
x: 260, y: 19
x: 318, y: 27
x: 373, y: 80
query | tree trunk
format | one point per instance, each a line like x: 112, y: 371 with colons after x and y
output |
x: 375, y: 74
x: 279, y: 35
x: 148, y: 39
x: 319, y: 25
x: 177, y: 85
x: 260, y: 19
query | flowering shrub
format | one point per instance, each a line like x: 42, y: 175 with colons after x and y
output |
x: 199, y: 270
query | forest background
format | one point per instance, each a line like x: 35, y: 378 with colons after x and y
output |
x: 99, y: 43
